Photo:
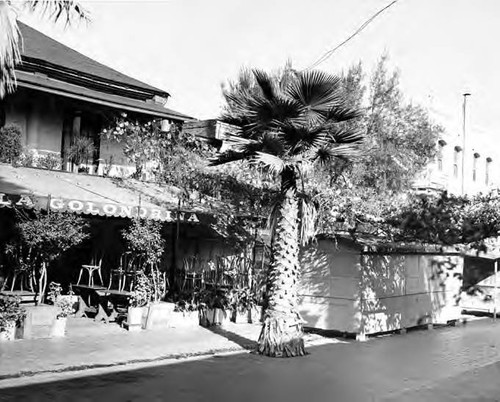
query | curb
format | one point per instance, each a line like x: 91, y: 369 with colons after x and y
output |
x: 168, y: 358
x: 174, y: 357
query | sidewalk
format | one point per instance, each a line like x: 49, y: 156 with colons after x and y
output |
x: 94, y: 345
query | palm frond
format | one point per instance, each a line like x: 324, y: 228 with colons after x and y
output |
x: 9, y: 48
x: 300, y: 138
x: 227, y: 157
x: 308, y: 215
x: 70, y: 10
x: 265, y: 83
x: 340, y: 136
x: 269, y: 143
x: 317, y: 91
x: 275, y: 164
x: 326, y: 154
x: 340, y: 114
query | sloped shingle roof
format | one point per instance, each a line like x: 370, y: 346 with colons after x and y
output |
x: 38, y: 46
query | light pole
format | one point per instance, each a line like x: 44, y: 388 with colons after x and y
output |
x: 465, y: 95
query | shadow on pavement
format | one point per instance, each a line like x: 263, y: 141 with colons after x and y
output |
x: 240, y: 340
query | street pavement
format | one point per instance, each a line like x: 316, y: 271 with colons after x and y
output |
x: 444, y: 364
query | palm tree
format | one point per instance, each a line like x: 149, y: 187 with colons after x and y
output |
x: 10, y: 37
x: 291, y: 121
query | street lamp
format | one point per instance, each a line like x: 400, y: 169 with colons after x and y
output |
x: 465, y: 95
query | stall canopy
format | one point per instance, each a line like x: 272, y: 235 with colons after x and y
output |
x: 93, y: 195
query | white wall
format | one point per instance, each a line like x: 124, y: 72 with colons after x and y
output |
x: 344, y: 290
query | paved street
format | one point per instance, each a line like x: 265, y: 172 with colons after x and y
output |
x: 453, y: 363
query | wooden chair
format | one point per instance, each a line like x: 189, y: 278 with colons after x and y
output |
x: 119, y: 274
x: 94, y: 266
x: 134, y: 266
x: 191, y: 277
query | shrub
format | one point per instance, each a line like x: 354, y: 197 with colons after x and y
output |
x: 10, y: 311
x: 10, y: 143
x: 81, y: 151
x: 49, y: 161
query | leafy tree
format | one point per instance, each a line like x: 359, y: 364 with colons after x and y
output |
x: 10, y: 37
x: 45, y: 237
x: 144, y: 239
x: 447, y: 219
x: 401, y: 139
x: 291, y: 121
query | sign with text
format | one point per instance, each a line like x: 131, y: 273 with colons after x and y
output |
x: 96, y: 208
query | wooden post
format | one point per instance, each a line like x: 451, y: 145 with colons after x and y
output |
x: 175, y: 249
x: 48, y: 204
x: 495, y: 292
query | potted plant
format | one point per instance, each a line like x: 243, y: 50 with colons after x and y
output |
x: 80, y: 152
x: 139, y: 299
x: 214, y: 304
x: 144, y: 239
x: 65, y: 308
x: 185, y: 312
x: 242, y: 302
x: 11, y: 315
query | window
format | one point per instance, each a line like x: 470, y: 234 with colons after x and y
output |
x: 456, y: 159
x: 440, y: 152
x: 474, y: 166
x: 487, y: 171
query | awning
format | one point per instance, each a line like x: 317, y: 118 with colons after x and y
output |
x: 92, y: 195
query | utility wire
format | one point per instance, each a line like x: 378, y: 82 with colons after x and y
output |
x: 363, y: 26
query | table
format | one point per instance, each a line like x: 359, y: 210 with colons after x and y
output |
x: 100, y: 300
x: 26, y: 297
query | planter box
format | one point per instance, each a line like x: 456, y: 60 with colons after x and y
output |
x: 38, y: 322
x: 180, y: 319
x: 58, y: 329
x: 9, y: 332
x: 215, y: 316
x: 240, y: 317
x: 159, y: 314
x: 136, y: 318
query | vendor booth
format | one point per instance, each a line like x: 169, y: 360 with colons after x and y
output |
x: 366, y: 286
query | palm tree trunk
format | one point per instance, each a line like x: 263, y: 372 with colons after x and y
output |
x: 281, y: 334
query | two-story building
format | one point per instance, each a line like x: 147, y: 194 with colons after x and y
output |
x: 63, y: 94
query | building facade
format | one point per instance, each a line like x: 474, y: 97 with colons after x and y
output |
x: 63, y: 95
x: 461, y: 167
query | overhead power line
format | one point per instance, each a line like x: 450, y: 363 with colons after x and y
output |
x: 363, y: 26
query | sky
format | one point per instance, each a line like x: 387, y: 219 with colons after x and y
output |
x: 442, y: 48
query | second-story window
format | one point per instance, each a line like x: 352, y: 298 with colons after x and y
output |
x: 474, y: 166
x: 487, y: 171
x: 440, y: 152
x: 456, y: 161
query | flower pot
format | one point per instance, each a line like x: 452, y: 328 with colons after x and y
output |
x: 134, y: 318
x: 58, y: 329
x: 240, y: 317
x: 159, y: 315
x: 213, y: 316
x: 184, y: 319
x: 8, y: 333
